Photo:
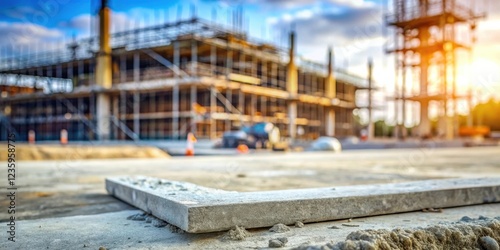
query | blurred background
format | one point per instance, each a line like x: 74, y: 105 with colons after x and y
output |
x: 264, y: 74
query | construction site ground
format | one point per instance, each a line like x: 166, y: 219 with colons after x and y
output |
x: 64, y: 205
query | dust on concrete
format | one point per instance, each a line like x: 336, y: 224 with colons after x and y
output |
x: 237, y: 233
x: 150, y: 219
x: 482, y: 233
x: 277, y: 243
x: 279, y: 228
x: 299, y: 224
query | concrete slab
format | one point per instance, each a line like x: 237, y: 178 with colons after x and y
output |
x: 197, y: 209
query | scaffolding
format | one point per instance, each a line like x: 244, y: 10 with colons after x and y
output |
x: 429, y: 36
x: 171, y: 79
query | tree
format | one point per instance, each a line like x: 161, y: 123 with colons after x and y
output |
x: 487, y: 114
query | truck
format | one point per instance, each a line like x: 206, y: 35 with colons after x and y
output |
x: 261, y: 135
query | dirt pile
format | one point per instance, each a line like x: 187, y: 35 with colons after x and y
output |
x: 279, y: 228
x: 482, y: 234
x: 155, y: 222
x: 27, y: 152
x: 237, y: 233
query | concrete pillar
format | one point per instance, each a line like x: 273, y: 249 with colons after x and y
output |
x: 330, y: 87
x: 292, y: 116
x: 331, y: 92
x: 253, y: 104
x: 194, y: 58
x: 116, y: 113
x: 469, y: 104
x: 137, y: 72
x: 175, y: 111
x: 193, y: 112
x: 241, y: 105
x: 213, y: 105
x: 137, y: 129
x: 371, y: 127
x: 123, y: 108
x: 175, y: 95
x: 424, y: 128
x: 229, y: 97
x: 330, y: 121
x: 229, y: 61
x: 292, y: 88
x: 103, y: 73
x: 103, y: 106
x: 194, y: 68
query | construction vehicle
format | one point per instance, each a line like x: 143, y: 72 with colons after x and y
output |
x: 260, y: 135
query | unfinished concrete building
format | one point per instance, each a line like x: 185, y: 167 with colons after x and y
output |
x: 429, y: 37
x: 164, y: 81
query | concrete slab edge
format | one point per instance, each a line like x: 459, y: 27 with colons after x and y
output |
x: 219, y: 212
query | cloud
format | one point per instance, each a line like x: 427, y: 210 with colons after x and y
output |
x: 86, y: 25
x: 16, y: 35
x: 267, y: 4
x: 352, y: 27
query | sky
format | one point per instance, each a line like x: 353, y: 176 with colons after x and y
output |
x: 355, y: 29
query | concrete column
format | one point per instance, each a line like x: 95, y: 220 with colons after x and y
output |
x: 241, y: 101
x: 213, y: 105
x: 292, y: 88
x: 103, y: 66
x: 330, y: 121
x: 229, y: 97
x: 175, y: 111
x: 116, y: 113
x: 469, y: 104
x: 194, y: 67
x: 81, y: 128
x: 331, y: 92
x: 424, y: 128
x: 175, y: 95
x: 403, y: 131
x: 123, y: 107
x: 194, y: 58
x: 137, y: 72
x: 330, y: 87
x: 371, y: 127
x: 229, y: 61
x: 292, y: 117
x: 137, y: 123
x: 103, y: 106
x: 193, y: 112
x: 103, y: 74
x: 253, y: 104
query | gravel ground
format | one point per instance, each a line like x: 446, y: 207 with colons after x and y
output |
x: 50, y: 190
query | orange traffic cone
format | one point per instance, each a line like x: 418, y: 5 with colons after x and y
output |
x: 31, y: 137
x: 242, y: 149
x: 191, y: 140
x: 64, y: 137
